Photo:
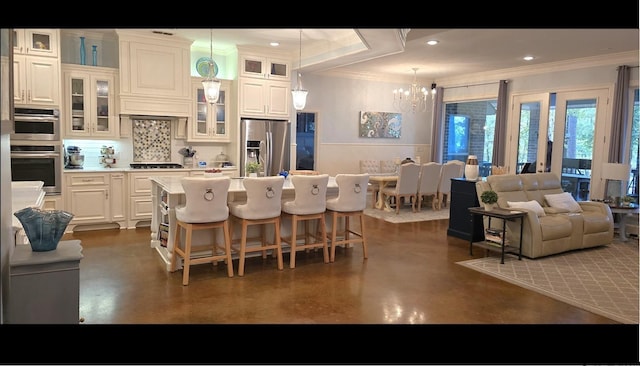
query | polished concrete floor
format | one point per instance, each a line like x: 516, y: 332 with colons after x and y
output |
x: 410, y: 277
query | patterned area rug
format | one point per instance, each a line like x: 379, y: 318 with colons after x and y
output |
x: 603, y: 280
x: 406, y: 215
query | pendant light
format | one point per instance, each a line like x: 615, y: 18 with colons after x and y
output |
x: 299, y: 94
x: 211, y: 84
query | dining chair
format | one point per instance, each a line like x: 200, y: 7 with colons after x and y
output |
x: 451, y: 169
x: 406, y: 186
x: 262, y: 207
x: 371, y: 166
x: 350, y: 203
x: 428, y: 183
x: 309, y: 205
x: 205, y: 208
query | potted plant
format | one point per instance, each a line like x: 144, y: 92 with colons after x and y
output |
x: 489, y: 198
x: 627, y: 200
x: 252, y: 168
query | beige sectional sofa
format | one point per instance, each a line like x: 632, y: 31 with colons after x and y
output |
x: 554, y: 228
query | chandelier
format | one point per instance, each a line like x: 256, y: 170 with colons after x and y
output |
x: 414, y: 98
x: 299, y: 94
x: 211, y: 84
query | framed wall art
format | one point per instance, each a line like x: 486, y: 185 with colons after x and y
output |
x: 380, y: 124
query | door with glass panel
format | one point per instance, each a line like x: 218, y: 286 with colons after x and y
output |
x: 533, y: 144
x: 579, y: 135
x: 562, y: 133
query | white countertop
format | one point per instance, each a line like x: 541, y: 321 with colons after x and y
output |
x: 128, y: 169
x: 22, y: 198
x: 173, y: 186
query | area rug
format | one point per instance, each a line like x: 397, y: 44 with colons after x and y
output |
x: 603, y: 280
x: 406, y: 215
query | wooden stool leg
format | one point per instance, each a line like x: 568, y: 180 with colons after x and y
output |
x: 278, y: 243
x: 187, y: 255
x: 176, y: 243
x: 325, y: 250
x: 364, y: 243
x: 334, y: 229
x: 292, y: 254
x: 227, y: 246
x: 243, y: 248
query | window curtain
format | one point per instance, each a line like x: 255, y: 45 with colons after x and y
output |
x: 500, y: 134
x: 437, y: 127
x: 620, y: 119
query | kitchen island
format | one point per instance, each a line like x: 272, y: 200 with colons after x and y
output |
x: 167, y: 193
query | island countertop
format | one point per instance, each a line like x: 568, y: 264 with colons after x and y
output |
x: 172, y: 185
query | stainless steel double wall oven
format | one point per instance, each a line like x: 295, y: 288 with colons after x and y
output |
x: 36, y: 148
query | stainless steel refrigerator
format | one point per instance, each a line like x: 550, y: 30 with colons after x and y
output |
x: 266, y: 142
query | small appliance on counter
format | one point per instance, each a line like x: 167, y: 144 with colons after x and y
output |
x: 73, y: 159
x: 222, y: 160
x: 107, y: 156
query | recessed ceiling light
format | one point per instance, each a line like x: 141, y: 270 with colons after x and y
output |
x: 432, y: 42
x: 528, y: 58
x: 275, y: 44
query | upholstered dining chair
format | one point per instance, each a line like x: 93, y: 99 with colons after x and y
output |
x: 205, y: 209
x: 350, y: 203
x: 428, y: 183
x: 262, y: 207
x: 309, y: 205
x: 406, y: 186
x: 450, y: 169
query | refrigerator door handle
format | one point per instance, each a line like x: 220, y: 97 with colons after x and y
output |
x: 264, y: 147
x: 267, y: 170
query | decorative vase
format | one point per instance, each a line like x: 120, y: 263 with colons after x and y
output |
x: 43, y: 228
x: 471, y: 169
x: 488, y: 206
x: 94, y: 53
x: 83, y: 53
x: 253, y: 175
x: 187, y: 162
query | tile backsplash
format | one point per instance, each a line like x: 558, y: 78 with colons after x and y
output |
x: 151, y: 140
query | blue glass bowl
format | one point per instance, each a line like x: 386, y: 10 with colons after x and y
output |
x: 43, y: 228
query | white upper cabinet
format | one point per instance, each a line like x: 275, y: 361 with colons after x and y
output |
x: 36, y: 42
x: 264, y: 98
x: 154, y: 74
x: 264, y: 67
x: 36, y: 81
x: 89, y: 101
x: 210, y: 122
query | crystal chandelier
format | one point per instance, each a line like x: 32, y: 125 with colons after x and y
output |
x: 299, y: 94
x: 414, y: 98
x: 211, y: 84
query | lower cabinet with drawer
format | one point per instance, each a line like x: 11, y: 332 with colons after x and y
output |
x: 95, y: 199
x: 140, y: 200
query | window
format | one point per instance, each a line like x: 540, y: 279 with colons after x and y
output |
x: 469, y: 130
x: 634, y: 147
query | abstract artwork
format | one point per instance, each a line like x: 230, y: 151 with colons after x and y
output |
x: 380, y: 125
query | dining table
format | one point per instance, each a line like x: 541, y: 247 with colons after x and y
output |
x: 383, y: 180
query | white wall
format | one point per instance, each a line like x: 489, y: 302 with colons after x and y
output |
x: 338, y: 102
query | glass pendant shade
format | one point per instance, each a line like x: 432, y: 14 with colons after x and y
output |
x: 299, y: 98
x: 211, y: 90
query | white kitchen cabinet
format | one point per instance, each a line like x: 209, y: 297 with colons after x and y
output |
x: 36, y: 42
x: 140, y: 200
x: 36, y: 81
x: 118, y: 196
x: 264, y: 98
x: 264, y: 67
x: 210, y: 123
x: 89, y: 101
x: 53, y: 203
x: 154, y: 74
x: 87, y: 198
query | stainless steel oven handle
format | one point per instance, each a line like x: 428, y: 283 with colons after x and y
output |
x: 35, y: 155
x: 34, y: 118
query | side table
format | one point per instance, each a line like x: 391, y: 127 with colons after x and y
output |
x: 45, y: 286
x: 625, y: 213
x: 505, y: 215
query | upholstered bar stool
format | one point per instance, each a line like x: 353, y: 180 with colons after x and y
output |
x: 308, y: 205
x: 350, y: 203
x: 263, y: 206
x: 205, y: 209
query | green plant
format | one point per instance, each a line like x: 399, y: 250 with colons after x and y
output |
x: 252, y: 167
x: 489, y: 197
x: 628, y: 199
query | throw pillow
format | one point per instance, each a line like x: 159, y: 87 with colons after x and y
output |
x: 563, y: 201
x: 532, y: 205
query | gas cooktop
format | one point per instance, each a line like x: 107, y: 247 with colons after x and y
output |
x: 155, y: 166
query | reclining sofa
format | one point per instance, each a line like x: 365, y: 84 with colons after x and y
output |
x: 549, y: 227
